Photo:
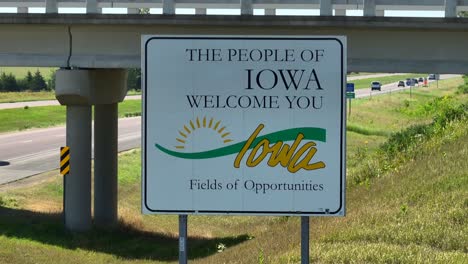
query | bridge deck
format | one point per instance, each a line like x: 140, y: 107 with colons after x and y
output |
x: 375, y: 44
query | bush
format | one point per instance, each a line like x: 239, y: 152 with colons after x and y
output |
x: 8, y: 83
x: 134, y: 79
x: 36, y: 82
x: 463, y: 89
x: 446, y: 113
x: 405, y: 144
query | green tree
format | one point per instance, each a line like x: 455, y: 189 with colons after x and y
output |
x: 134, y: 79
x: 29, y: 77
x: 8, y: 83
x: 463, y: 14
x: 1, y: 83
x: 51, y: 81
x: 38, y: 83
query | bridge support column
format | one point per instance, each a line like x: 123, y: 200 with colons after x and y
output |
x: 270, y: 12
x: 326, y: 8
x: 110, y: 89
x: 369, y: 8
x: 246, y: 7
x: 450, y: 8
x: 72, y: 90
x: 200, y: 11
x: 340, y: 12
x: 105, y: 165
x: 380, y: 13
x: 78, y: 182
x: 79, y: 89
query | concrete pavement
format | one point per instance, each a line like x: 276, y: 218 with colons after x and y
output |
x: 393, y: 87
x: 27, y: 153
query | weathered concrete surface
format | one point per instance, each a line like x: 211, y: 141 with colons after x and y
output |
x: 375, y: 44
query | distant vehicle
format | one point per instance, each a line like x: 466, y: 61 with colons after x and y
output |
x: 376, y: 86
x: 415, y: 81
x: 431, y: 76
x: 421, y: 79
x: 408, y: 81
x: 401, y: 84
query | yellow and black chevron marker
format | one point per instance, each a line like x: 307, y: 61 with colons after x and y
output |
x: 64, y: 160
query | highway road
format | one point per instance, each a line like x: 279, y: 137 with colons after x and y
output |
x: 393, y: 87
x: 27, y: 153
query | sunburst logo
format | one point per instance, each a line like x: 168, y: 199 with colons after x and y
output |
x: 271, y: 148
x: 192, y: 127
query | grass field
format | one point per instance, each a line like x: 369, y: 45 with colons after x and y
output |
x: 366, y: 83
x: 20, y: 72
x: 352, y: 74
x: 46, y: 116
x: 12, y: 97
x: 417, y: 212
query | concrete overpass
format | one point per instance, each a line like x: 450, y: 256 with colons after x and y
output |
x: 375, y: 44
x: 94, y: 49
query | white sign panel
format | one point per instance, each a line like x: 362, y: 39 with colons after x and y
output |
x: 244, y: 125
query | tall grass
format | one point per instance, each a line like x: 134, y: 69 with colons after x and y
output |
x: 404, y: 145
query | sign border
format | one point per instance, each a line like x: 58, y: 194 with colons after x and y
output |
x: 340, y: 211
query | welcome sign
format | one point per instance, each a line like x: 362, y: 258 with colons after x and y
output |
x: 244, y: 125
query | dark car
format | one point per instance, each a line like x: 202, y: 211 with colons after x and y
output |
x: 408, y: 82
x: 401, y: 84
x: 432, y: 76
x: 376, y: 86
x: 421, y: 79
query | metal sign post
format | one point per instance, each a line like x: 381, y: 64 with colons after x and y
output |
x: 350, y: 95
x: 349, y: 101
x: 304, y: 240
x: 182, y: 239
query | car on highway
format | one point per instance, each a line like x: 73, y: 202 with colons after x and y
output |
x: 376, y: 86
x: 401, y: 84
x: 421, y: 79
x: 408, y: 81
x: 431, y: 76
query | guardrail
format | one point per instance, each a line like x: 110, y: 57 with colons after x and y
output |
x: 246, y: 7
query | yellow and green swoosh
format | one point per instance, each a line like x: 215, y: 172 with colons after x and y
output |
x: 309, y: 133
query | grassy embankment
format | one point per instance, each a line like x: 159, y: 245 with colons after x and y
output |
x: 411, y: 208
x: 46, y: 116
